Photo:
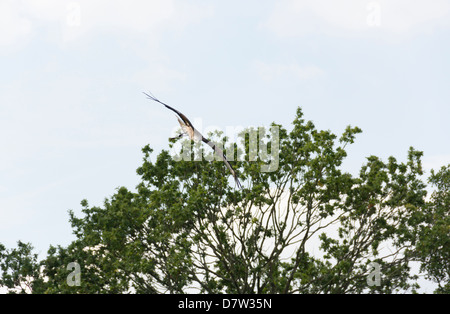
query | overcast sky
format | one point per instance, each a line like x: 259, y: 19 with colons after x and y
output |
x: 73, y: 118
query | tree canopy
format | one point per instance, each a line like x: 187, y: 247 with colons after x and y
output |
x: 305, y: 226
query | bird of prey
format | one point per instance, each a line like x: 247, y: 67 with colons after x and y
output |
x: 195, y: 135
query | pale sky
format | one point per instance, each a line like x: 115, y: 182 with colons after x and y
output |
x: 73, y: 118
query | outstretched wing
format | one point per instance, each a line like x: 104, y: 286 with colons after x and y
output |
x: 182, y: 116
x: 221, y: 154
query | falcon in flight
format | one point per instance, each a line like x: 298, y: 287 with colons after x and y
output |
x: 189, y: 130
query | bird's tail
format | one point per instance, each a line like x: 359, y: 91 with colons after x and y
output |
x: 237, y: 182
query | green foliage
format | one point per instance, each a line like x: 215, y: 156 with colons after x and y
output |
x: 20, y: 269
x: 308, y: 227
x: 433, y: 247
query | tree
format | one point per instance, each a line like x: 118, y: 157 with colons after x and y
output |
x: 433, y: 247
x: 305, y: 227
x: 20, y: 269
